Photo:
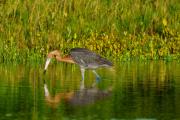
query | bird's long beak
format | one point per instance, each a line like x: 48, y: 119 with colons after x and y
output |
x: 47, y: 63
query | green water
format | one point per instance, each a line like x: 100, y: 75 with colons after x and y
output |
x: 130, y: 90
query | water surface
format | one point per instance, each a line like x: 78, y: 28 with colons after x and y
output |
x: 131, y: 90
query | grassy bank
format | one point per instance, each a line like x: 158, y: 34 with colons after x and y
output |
x: 122, y: 29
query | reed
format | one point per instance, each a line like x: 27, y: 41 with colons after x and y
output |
x: 122, y: 29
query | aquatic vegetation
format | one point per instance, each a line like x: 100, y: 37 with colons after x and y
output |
x: 119, y: 30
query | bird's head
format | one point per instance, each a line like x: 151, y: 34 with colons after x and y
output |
x: 54, y: 54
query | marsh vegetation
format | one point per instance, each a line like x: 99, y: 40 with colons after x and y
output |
x: 122, y: 29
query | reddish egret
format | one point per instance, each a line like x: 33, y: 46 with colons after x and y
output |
x: 85, y: 58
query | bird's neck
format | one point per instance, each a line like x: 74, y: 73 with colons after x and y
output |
x: 67, y: 59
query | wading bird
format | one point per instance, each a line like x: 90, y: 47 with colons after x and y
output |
x: 85, y: 58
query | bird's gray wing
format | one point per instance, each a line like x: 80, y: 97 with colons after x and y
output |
x: 85, y: 58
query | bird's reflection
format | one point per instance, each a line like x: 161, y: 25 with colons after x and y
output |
x: 83, y: 96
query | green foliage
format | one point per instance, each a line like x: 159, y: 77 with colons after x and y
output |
x: 122, y: 29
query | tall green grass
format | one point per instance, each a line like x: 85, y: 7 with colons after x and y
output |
x: 122, y: 29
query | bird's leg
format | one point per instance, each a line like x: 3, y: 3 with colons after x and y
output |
x: 97, y: 76
x: 82, y: 85
x: 82, y: 74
